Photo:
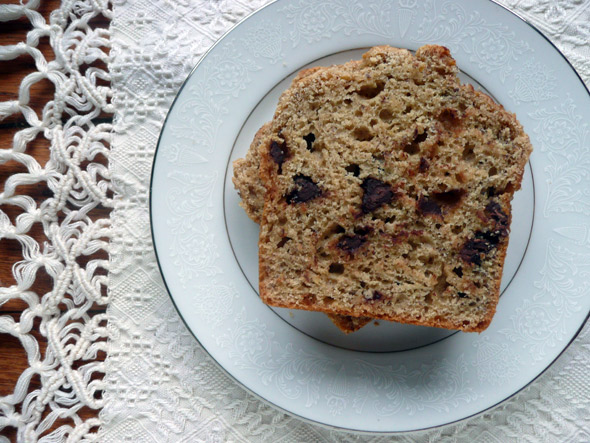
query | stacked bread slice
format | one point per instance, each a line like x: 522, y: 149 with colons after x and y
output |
x: 383, y: 190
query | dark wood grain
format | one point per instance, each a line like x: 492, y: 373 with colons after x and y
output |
x: 13, y: 359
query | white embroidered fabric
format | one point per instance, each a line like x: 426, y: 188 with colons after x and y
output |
x: 159, y: 385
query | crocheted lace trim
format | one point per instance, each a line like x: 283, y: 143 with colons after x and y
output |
x: 63, y: 331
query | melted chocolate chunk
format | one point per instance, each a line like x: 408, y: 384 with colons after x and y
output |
x: 375, y: 296
x: 309, y: 139
x: 279, y: 153
x: 350, y: 243
x: 377, y: 194
x: 481, y: 244
x: 304, y: 191
x: 365, y: 230
x: 449, y: 118
x: 424, y: 165
x: 473, y: 249
x: 494, y: 211
x: 336, y: 268
x: 428, y: 206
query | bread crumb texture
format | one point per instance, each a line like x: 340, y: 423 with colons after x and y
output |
x: 383, y: 189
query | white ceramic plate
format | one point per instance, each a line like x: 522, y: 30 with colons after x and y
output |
x: 386, y: 377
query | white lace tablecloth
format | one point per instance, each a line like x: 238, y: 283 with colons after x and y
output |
x: 159, y: 385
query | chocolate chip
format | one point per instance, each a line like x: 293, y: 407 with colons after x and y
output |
x: 449, y: 118
x: 473, y: 249
x: 459, y: 271
x: 424, y: 165
x: 481, y: 244
x: 304, y: 191
x: 336, y: 268
x: 309, y: 139
x: 494, y: 211
x: 462, y: 295
x: 350, y: 243
x: 377, y: 194
x: 354, y: 169
x: 428, y: 206
x: 375, y: 296
x: 365, y: 230
x: 493, y: 238
x: 279, y: 153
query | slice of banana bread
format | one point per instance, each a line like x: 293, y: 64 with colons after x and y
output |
x: 388, y: 188
x: 247, y: 181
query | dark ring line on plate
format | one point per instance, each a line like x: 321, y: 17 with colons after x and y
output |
x: 254, y: 289
x: 307, y: 420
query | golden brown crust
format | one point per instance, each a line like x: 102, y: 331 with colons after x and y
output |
x: 348, y: 324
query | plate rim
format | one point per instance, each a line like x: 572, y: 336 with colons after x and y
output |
x: 226, y: 371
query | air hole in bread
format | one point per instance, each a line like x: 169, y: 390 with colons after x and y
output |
x: 282, y: 242
x: 339, y: 229
x: 309, y: 139
x: 363, y: 134
x: 353, y: 169
x: 371, y: 91
x: 412, y: 149
x: 450, y: 198
x: 468, y: 154
x: 309, y: 299
x: 386, y: 115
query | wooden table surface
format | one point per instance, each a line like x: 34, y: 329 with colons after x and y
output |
x: 12, y: 356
